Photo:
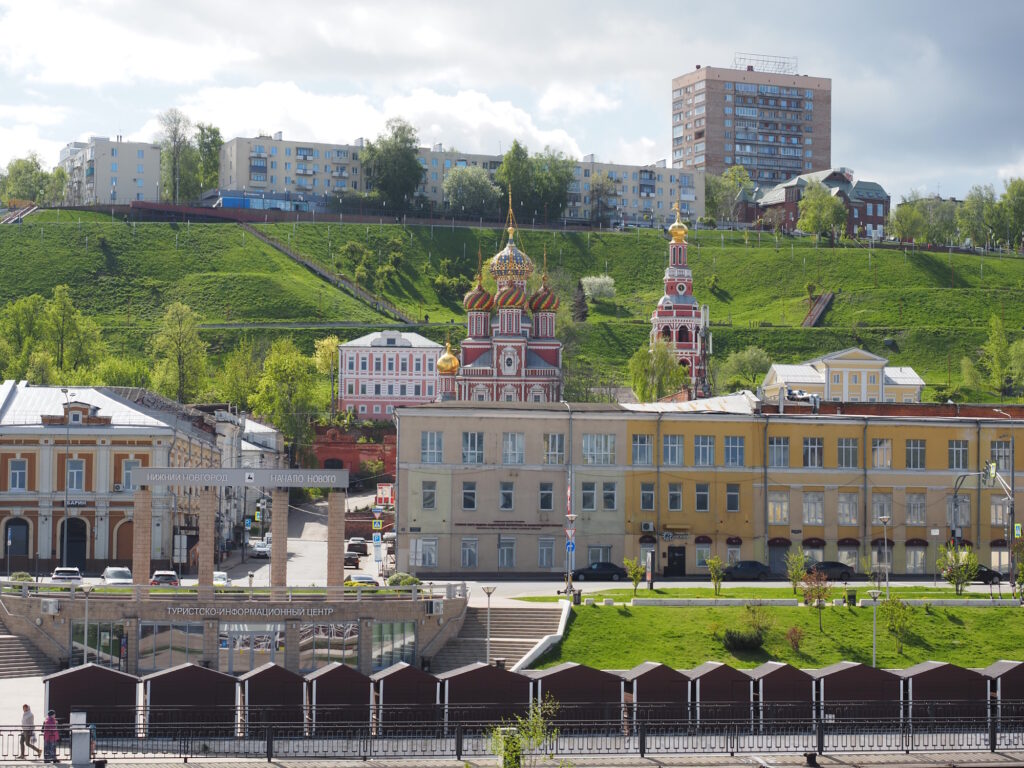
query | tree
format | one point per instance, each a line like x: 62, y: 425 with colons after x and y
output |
x: 602, y: 189
x: 735, y: 181
x: 188, y: 173
x: 240, y: 374
x: 897, y: 616
x: 745, y: 368
x: 470, y: 190
x: 552, y: 173
x: 654, y: 372
x: 958, y: 565
x: 179, y: 353
x: 23, y: 327
x: 1015, y: 356
x: 716, y: 570
x: 516, y: 174
x: 56, y: 187
x: 636, y: 571
x: 287, y: 395
x: 40, y: 369
x: 969, y: 373
x: 974, y: 215
x: 599, y: 287
x: 1011, y: 206
x: 821, y: 212
x: 84, y: 343
x: 175, y: 137
x: 121, y: 372
x: 817, y: 589
x: 61, y: 315
x: 520, y: 742
x: 995, y: 355
x: 208, y: 145
x: 325, y: 357
x: 390, y: 163
x: 580, y: 310
x: 907, y: 222
x: 716, y: 202
x: 24, y: 179
x: 796, y: 567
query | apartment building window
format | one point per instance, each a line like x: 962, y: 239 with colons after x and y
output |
x: 915, y: 454
x: 958, y: 454
x: 734, y: 446
x: 675, y: 497
x: 423, y: 552
x: 847, y: 452
x: 672, y: 450
x: 127, y: 471
x: 431, y: 447
x: 702, y: 497
x: 609, y: 495
x: 881, y: 453
x: 999, y: 511
x: 703, y: 553
x: 469, y: 553
x: 647, y: 497
x: 469, y: 494
x: 814, y: 508
x: 506, y: 552
x: 778, y: 507
x: 704, y: 450
x: 76, y: 475
x: 958, y: 511
x: 428, y: 494
x: 506, y: 494
x: 1001, y: 454
x: 846, y: 509
x: 916, y: 511
x: 881, y: 506
x: 599, y: 553
x: 588, y: 500
x: 814, y: 452
x: 732, y: 555
x: 643, y: 454
x: 732, y: 497
x: 472, y: 447
x: 554, y: 448
x: 545, y: 553
x: 512, y: 451
x: 598, y: 448
x: 778, y: 452
x: 546, y: 500
x: 916, y: 559
x: 18, y: 475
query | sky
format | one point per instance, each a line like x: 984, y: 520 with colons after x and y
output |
x: 926, y: 95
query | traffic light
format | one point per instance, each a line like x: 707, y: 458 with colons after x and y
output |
x: 990, y: 472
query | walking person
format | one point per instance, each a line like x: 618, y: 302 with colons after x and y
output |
x: 28, y: 726
x: 50, y: 737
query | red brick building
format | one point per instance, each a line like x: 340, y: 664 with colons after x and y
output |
x: 866, y: 202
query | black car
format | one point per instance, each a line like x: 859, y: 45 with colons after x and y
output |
x: 987, y: 576
x: 599, y: 571
x: 748, y: 570
x: 351, y: 559
x: 833, y: 569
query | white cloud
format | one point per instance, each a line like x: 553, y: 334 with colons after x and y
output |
x: 32, y: 114
x: 21, y: 140
x: 577, y: 99
x: 1012, y: 170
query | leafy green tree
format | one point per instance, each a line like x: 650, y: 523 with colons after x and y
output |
x: 516, y: 173
x: 188, y: 173
x: 61, y: 316
x: 897, y: 616
x: 716, y: 570
x: 85, y: 343
x: 796, y: 567
x: 734, y: 181
x: 744, y: 368
x: 602, y: 190
x: 522, y: 741
x: 56, y: 187
x: 470, y: 191
x: 821, y: 213
x: 995, y: 355
x: 716, y: 201
x: 580, y: 310
x: 121, y: 372
x: 817, y: 589
x: 969, y: 373
x: 208, y: 145
x: 24, y: 179
x: 175, y: 139
x: 636, y: 571
x: 23, y: 327
x: 974, y: 214
x: 958, y: 565
x: 1012, y: 209
x: 240, y: 373
x: 390, y: 163
x: 552, y: 173
x: 655, y: 372
x: 907, y: 222
x: 1015, y: 357
x: 180, y: 354
x: 40, y: 369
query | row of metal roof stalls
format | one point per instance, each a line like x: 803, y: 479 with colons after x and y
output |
x: 338, y: 694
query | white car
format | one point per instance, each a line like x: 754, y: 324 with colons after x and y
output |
x: 221, y: 579
x: 116, y: 577
x: 66, y: 576
x: 261, y: 549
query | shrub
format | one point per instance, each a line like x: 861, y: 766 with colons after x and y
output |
x: 599, y: 287
x: 759, y: 619
x: 402, y: 580
x: 743, y: 640
x: 21, y: 576
x: 795, y: 635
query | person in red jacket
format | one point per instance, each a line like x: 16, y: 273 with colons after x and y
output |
x: 50, y: 737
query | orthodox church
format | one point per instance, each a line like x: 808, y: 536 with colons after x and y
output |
x: 510, y: 355
x: 678, y: 319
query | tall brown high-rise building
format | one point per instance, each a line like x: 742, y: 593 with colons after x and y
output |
x: 760, y: 114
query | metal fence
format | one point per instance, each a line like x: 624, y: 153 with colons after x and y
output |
x: 567, y: 739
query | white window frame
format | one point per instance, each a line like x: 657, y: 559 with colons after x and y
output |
x: 75, y: 471
x: 506, y: 495
x: 431, y: 447
x: 643, y: 450
x: 470, y: 553
x: 469, y: 489
x: 646, y: 497
x: 881, y: 453
x: 128, y: 467
x: 609, y: 490
x: 545, y: 552
x: 672, y: 450
x: 814, y: 453
x: 472, y: 447
x: 554, y: 448
x: 17, y: 475
x: 506, y: 552
x: 546, y: 497
x: 428, y: 494
x: 704, y: 450
x: 778, y: 507
x: 702, y: 497
x: 881, y: 505
x: 846, y: 452
x: 735, y: 451
x: 916, y: 453
x: 598, y: 448
x: 848, y: 509
x: 588, y: 488
x: 513, y: 450
x: 916, y: 507
x: 814, y: 508
x: 958, y: 454
x: 778, y: 452
x: 675, y: 497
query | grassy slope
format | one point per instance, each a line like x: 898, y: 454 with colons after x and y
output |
x: 685, y: 637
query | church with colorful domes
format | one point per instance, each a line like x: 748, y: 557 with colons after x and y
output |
x: 510, y: 353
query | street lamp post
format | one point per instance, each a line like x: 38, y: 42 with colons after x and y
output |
x: 87, y: 588
x: 67, y: 459
x: 1012, y: 537
x: 489, y: 591
x: 884, y: 520
x: 873, y: 594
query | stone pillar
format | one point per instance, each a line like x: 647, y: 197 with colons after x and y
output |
x: 366, y: 646
x: 291, y: 646
x: 211, y: 643
x: 207, y: 540
x: 131, y: 634
x: 279, y: 545
x: 142, y: 536
x: 335, y: 543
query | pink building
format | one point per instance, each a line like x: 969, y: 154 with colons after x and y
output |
x: 380, y: 371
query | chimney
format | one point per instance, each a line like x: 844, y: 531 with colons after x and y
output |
x: 698, y: 66
x: 499, y: 662
x: 750, y: 67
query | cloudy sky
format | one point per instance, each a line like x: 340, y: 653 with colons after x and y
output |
x: 926, y: 95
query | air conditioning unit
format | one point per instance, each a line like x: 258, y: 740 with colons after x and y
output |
x: 118, y: 487
x: 49, y: 606
x: 647, y: 527
x: 435, y: 607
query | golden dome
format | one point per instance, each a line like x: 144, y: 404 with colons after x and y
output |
x: 447, y: 364
x: 678, y: 229
x: 510, y: 263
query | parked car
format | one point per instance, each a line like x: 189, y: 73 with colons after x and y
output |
x: 357, y: 544
x: 116, y: 577
x: 599, y: 571
x: 987, y: 576
x: 164, y: 579
x: 66, y: 576
x: 352, y: 559
x: 833, y: 569
x: 748, y: 570
x: 261, y: 549
x: 362, y: 579
x: 221, y: 579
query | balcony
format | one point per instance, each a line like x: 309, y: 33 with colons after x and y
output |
x: 304, y: 171
x: 305, y: 186
x: 340, y: 174
x: 254, y: 153
x: 89, y: 172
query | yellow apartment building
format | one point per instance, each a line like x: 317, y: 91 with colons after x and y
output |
x: 850, y: 375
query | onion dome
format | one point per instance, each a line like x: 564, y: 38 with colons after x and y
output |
x: 447, y: 364
x: 510, y: 297
x: 510, y: 263
x: 478, y: 299
x: 677, y: 230
x: 543, y: 300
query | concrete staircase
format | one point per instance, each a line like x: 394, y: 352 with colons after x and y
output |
x: 19, y: 658
x: 514, y: 631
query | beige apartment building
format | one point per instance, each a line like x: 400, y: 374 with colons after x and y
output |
x: 850, y: 375
x: 105, y: 172
x: 760, y: 114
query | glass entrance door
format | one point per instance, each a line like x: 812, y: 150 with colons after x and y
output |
x: 243, y: 647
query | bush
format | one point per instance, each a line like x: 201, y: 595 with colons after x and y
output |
x: 743, y: 640
x: 599, y: 287
x: 795, y: 635
x: 21, y: 576
x: 402, y: 580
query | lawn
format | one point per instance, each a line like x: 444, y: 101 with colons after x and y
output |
x: 761, y: 593
x: 685, y: 637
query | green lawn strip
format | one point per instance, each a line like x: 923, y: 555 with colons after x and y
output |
x: 685, y: 637
x: 762, y: 593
